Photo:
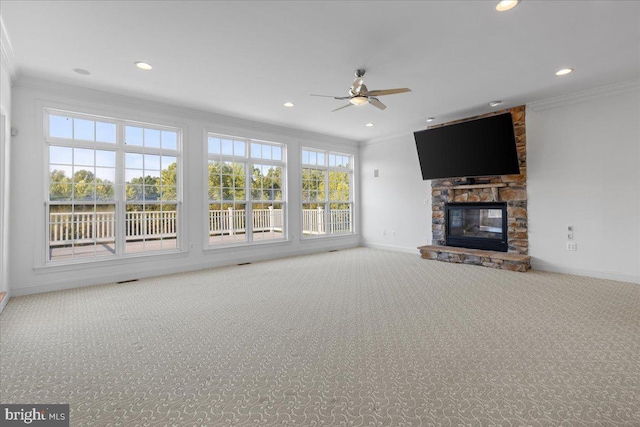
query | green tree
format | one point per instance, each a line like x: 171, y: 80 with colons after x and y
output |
x: 60, y: 186
x: 83, y: 186
x: 273, y: 183
x: 338, y: 186
x: 143, y: 188
x: 168, y: 178
x: 226, y: 181
x: 313, y: 186
x: 266, y: 186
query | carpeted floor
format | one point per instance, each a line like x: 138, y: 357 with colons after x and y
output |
x: 355, y: 337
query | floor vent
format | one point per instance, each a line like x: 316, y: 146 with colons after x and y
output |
x: 244, y: 263
x: 128, y: 281
x: 333, y: 250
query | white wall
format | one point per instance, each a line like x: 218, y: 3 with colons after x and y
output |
x: 5, y: 150
x: 395, y: 206
x: 583, y: 159
x: 583, y: 155
x: 29, y: 274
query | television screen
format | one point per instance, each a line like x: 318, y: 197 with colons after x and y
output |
x: 478, y: 147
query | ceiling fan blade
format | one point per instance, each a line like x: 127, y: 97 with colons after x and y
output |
x: 330, y: 96
x: 344, y: 106
x: 356, y: 86
x: 376, y: 103
x: 388, y: 91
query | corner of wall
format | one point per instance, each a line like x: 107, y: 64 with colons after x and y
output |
x: 5, y: 300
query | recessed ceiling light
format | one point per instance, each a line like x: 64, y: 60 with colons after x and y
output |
x: 564, y: 71
x: 495, y: 103
x: 505, y: 5
x: 143, y: 65
x: 430, y: 119
x: 369, y: 125
x: 81, y: 71
x: 288, y: 104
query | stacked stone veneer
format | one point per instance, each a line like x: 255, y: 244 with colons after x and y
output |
x: 513, y: 191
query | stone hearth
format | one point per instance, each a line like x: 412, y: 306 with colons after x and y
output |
x: 500, y: 260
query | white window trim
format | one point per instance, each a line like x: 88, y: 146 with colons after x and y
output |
x: 350, y: 170
x: 248, y: 160
x: 119, y: 200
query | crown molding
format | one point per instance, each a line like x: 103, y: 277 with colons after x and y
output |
x: 6, y: 52
x: 586, y: 95
x: 387, y: 138
x: 256, y: 130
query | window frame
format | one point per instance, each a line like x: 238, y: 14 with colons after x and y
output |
x: 327, y: 168
x: 248, y: 161
x: 120, y: 149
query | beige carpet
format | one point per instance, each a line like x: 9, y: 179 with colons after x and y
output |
x: 358, y: 337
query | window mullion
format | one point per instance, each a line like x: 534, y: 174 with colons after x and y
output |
x: 119, y: 193
x: 248, y: 174
x: 327, y: 205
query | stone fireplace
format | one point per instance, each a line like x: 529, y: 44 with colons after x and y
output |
x: 507, y: 190
x: 510, y: 189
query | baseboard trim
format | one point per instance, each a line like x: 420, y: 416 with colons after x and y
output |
x: 598, y: 274
x: 414, y: 251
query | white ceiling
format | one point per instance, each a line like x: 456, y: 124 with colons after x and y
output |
x: 245, y: 59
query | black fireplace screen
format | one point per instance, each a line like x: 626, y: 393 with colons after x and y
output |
x: 477, y: 226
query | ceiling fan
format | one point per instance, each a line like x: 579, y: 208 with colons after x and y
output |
x: 359, y: 94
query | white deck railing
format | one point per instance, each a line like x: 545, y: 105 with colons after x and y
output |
x: 67, y: 227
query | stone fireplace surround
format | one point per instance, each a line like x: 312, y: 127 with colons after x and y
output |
x: 511, y: 189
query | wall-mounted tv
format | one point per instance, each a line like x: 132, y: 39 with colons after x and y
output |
x: 480, y: 147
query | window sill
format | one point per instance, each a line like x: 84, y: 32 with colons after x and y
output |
x: 232, y: 247
x: 54, y: 267
x: 309, y: 239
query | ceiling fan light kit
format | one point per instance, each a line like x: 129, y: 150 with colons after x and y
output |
x: 359, y: 100
x: 505, y: 5
x: 360, y: 95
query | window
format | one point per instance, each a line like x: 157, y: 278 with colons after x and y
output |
x: 245, y: 181
x: 327, y: 202
x: 113, y: 187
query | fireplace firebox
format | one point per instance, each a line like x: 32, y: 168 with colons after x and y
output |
x: 477, y: 226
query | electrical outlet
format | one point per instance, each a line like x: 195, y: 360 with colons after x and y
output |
x: 384, y: 233
x: 425, y: 202
x: 572, y: 246
x: 191, y: 246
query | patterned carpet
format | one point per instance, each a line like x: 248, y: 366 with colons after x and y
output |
x: 359, y: 337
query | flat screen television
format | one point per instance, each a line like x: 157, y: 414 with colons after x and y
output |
x: 480, y: 147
